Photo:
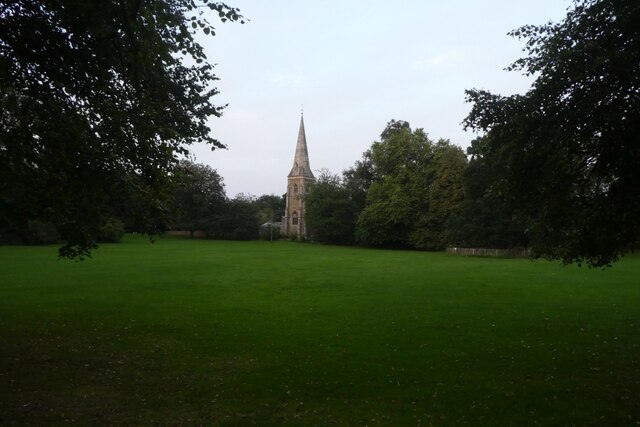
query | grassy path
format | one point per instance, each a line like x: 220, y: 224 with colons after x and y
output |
x: 240, y: 333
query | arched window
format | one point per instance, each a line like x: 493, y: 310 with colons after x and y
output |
x: 294, y: 218
x: 295, y: 188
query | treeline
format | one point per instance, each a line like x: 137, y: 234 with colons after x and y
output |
x: 193, y: 199
x: 410, y: 191
x: 199, y: 203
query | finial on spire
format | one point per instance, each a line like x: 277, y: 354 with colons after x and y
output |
x: 302, y: 109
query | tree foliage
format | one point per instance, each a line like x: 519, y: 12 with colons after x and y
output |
x: 358, y: 178
x: 445, y: 197
x: 270, y: 207
x: 198, y: 196
x: 398, y: 193
x: 331, y: 213
x: 199, y: 203
x: 485, y: 219
x: 239, y: 219
x: 97, y: 100
x: 567, y: 153
x: 414, y: 186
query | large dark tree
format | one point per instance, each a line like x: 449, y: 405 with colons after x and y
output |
x: 567, y: 152
x: 484, y: 219
x: 97, y: 100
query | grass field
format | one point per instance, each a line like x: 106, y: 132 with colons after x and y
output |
x: 188, y: 332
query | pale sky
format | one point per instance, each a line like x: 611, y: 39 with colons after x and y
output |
x: 354, y: 65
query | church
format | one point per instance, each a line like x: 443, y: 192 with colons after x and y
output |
x: 299, y: 183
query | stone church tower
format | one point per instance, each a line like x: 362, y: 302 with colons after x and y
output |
x: 299, y: 183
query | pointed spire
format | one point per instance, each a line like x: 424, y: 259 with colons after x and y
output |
x: 301, y: 165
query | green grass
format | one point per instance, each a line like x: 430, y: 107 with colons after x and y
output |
x: 228, y: 333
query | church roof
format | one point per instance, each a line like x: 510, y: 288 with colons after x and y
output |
x: 301, y: 165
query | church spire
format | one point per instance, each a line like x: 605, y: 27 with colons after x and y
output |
x: 301, y: 165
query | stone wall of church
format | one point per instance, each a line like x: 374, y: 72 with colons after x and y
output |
x: 294, y: 220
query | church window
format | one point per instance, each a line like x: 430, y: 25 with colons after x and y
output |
x: 295, y: 188
x: 294, y: 218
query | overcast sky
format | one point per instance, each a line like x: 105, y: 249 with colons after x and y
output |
x: 354, y: 65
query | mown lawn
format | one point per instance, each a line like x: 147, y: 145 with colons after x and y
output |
x: 189, y: 332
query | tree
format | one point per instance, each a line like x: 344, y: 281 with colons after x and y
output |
x: 198, y: 196
x: 270, y: 207
x: 413, y: 187
x: 358, y: 178
x: 485, y: 219
x: 331, y: 213
x: 445, y: 197
x: 238, y: 220
x: 98, y: 99
x: 390, y: 214
x: 567, y: 153
x: 399, y: 191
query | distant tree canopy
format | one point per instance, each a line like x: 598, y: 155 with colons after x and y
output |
x: 397, y: 196
x: 414, y: 186
x: 239, y: 219
x: 199, y: 203
x: 198, y: 196
x: 358, y: 178
x: 566, y: 155
x: 97, y: 100
x: 409, y: 191
x: 446, y: 194
x: 270, y: 207
x: 331, y: 213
